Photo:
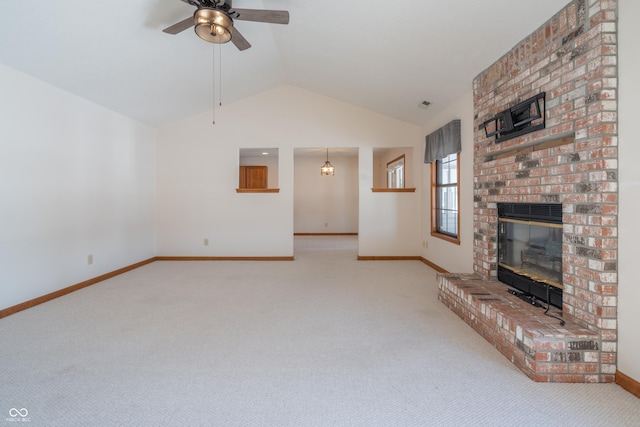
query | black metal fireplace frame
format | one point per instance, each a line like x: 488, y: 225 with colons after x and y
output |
x: 541, y: 212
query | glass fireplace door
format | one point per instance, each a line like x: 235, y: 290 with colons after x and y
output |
x: 531, y: 249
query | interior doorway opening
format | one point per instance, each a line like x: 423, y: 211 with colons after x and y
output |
x: 326, y: 205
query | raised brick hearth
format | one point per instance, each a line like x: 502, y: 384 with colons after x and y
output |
x: 537, y: 344
x: 573, y: 161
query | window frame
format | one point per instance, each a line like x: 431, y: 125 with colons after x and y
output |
x: 435, y: 232
x: 395, y: 173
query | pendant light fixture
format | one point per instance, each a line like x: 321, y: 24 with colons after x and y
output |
x: 327, y: 168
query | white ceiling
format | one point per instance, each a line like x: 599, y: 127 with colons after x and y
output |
x: 385, y: 56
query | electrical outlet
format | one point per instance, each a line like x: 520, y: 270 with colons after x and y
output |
x: 425, y: 244
x: 326, y: 224
x: 206, y: 242
x: 90, y: 259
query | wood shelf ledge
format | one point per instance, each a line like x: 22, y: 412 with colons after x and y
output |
x: 393, y: 190
x: 257, y: 190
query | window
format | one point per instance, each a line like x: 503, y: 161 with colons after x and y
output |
x: 395, y: 173
x: 445, y: 198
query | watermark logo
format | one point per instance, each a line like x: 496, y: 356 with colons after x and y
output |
x: 18, y: 416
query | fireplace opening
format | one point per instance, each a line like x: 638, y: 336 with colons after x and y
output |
x: 530, y: 251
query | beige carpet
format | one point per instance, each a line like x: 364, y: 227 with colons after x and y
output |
x: 324, y: 340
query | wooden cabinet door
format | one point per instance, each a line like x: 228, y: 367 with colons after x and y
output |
x: 243, y: 177
x: 253, y: 176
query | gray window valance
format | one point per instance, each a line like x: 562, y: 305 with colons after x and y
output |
x: 443, y: 142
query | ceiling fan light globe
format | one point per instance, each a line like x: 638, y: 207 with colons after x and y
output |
x: 213, y: 25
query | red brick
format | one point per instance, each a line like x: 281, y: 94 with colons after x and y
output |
x: 583, y: 368
x: 568, y: 378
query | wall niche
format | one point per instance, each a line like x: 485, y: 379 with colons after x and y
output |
x: 392, y: 171
x: 258, y: 170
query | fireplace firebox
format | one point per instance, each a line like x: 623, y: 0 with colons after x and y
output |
x: 530, y: 250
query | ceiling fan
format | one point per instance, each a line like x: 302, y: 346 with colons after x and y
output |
x: 213, y: 21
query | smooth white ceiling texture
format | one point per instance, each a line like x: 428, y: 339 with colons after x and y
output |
x: 385, y: 56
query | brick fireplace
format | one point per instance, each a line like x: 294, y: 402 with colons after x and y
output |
x: 573, y: 162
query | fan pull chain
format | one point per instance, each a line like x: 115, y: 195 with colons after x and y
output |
x: 213, y: 73
x: 220, y: 72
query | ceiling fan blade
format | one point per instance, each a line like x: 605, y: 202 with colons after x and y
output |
x: 239, y: 40
x: 259, y: 15
x: 180, y: 26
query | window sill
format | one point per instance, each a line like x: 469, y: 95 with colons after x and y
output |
x: 393, y: 190
x: 257, y: 190
x: 451, y: 239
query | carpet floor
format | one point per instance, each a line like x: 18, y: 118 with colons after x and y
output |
x: 324, y: 340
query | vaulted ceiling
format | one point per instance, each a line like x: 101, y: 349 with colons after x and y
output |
x: 385, y: 56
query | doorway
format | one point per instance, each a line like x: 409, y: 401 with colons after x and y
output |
x: 326, y: 205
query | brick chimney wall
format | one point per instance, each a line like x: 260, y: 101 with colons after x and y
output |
x: 573, y: 161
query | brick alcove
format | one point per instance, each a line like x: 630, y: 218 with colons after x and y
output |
x: 573, y: 161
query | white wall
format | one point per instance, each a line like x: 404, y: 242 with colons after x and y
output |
x: 452, y: 257
x: 197, y: 176
x: 325, y: 204
x: 76, y: 180
x: 389, y: 222
x: 629, y: 179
